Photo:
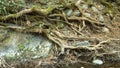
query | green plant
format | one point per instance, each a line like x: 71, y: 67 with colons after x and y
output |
x: 11, y: 6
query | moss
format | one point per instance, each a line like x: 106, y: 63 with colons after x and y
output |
x: 49, y: 10
x: 9, y: 7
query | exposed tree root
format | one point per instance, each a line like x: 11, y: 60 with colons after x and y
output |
x: 59, y: 36
x: 38, y: 10
x: 3, y: 63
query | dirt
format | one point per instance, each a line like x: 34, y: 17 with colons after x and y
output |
x: 69, y: 33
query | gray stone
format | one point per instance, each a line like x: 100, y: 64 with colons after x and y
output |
x: 105, y: 29
x: 98, y: 61
x: 95, y: 9
x: 83, y: 43
x: 78, y: 2
x: 85, y: 7
x: 101, y: 18
x: 25, y: 46
x: 87, y: 14
x: 69, y: 12
x: 77, y: 13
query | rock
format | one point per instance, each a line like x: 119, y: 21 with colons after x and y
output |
x: 100, y: 7
x: 87, y: 14
x: 98, y: 61
x: 83, y: 43
x: 105, y: 29
x: 69, y: 12
x: 77, y: 13
x: 25, y: 46
x: 82, y: 67
x: 95, y: 9
x: 85, y: 7
x: 78, y: 2
x: 101, y: 18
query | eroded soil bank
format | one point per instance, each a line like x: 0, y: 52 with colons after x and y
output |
x: 60, y: 34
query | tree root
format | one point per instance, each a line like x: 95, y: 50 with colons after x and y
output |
x: 38, y: 10
x: 54, y: 34
x: 4, y: 64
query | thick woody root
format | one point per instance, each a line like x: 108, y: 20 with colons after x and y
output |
x: 60, y: 40
x: 42, y: 12
x: 53, y: 33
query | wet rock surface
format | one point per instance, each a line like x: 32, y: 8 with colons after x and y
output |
x: 23, y: 46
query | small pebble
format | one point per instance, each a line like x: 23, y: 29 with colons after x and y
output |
x: 95, y: 9
x: 83, y: 43
x: 78, y: 2
x: 85, y: 7
x: 105, y: 29
x: 101, y: 18
x: 77, y: 13
x: 69, y: 12
x: 82, y: 67
x: 98, y: 61
x: 87, y: 14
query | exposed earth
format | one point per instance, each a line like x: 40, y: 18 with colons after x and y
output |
x: 60, y: 34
